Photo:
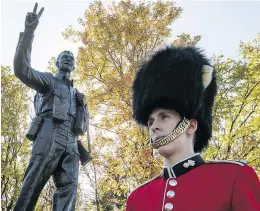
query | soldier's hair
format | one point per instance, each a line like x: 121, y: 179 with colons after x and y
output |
x: 59, y: 56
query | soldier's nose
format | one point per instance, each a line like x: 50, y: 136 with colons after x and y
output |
x: 155, y: 128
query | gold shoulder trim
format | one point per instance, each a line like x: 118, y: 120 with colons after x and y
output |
x: 237, y: 162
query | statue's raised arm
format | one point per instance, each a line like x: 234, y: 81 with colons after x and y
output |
x: 36, y: 80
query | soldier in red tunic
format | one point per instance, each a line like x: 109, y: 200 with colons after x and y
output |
x: 173, y: 96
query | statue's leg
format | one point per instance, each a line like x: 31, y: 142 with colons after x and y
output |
x: 66, y: 179
x: 58, y: 150
x: 44, y: 159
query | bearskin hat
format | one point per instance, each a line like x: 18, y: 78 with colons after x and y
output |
x: 178, y: 78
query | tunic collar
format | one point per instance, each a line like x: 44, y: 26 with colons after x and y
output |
x: 61, y: 76
x: 183, y: 166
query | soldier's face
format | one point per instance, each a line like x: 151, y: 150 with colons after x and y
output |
x: 161, y: 123
x: 66, y: 62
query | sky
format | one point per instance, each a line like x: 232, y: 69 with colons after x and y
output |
x: 222, y: 25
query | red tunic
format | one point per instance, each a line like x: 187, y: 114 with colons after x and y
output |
x: 214, y: 186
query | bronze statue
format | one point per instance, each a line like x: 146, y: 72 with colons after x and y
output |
x: 61, y: 115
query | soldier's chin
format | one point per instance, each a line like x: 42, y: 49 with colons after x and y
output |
x: 166, y: 150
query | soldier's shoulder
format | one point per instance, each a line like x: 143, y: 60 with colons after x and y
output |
x: 233, y: 168
x: 144, y: 184
x: 228, y: 162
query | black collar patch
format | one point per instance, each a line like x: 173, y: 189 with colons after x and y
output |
x: 183, y: 166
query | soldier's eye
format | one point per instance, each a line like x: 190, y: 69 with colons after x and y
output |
x: 149, y: 123
x: 164, y: 116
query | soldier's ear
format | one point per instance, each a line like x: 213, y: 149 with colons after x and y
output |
x: 57, y: 63
x: 192, y: 127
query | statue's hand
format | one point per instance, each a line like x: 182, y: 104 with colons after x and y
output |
x: 32, y: 19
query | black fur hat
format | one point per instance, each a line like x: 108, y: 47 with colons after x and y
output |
x: 178, y: 78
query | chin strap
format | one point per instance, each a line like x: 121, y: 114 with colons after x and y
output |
x: 178, y: 130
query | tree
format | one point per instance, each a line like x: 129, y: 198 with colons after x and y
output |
x: 237, y: 107
x: 114, y: 41
x: 15, y: 149
x: 186, y: 40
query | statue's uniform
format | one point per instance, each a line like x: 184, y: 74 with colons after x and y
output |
x: 55, y: 150
x: 197, y: 185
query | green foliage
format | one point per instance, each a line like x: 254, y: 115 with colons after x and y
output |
x: 186, y: 40
x: 237, y: 107
x: 14, y: 148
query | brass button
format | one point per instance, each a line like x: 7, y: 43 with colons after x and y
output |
x: 173, y: 182
x: 170, y: 194
x: 168, y: 206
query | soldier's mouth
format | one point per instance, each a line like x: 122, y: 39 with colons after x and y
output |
x: 158, y: 137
